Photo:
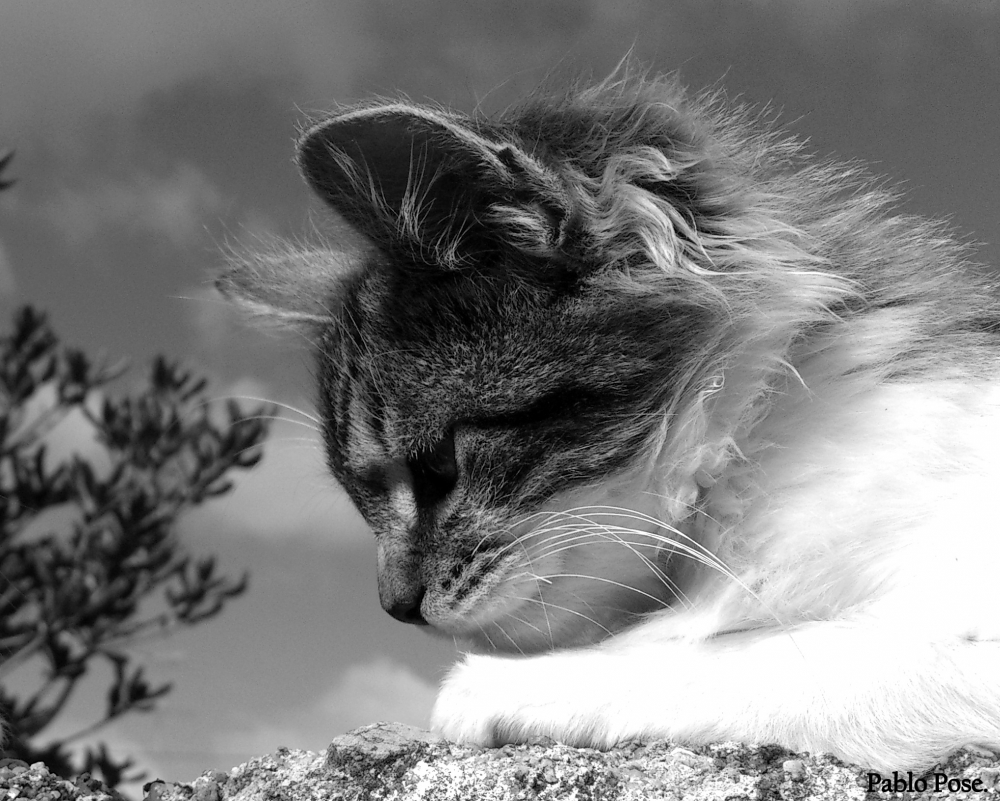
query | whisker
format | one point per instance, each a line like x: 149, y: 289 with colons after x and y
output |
x: 611, y: 537
x: 487, y: 636
x: 522, y: 620
x: 279, y: 418
x: 618, y: 511
x: 624, y: 586
x: 526, y: 573
x: 574, y: 537
x: 302, y: 440
x: 543, y: 603
x: 311, y: 417
x: 677, y: 543
x: 545, y: 613
x: 612, y: 529
x: 505, y: 634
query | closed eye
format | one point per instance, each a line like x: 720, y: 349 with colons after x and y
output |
x: 434, y: 471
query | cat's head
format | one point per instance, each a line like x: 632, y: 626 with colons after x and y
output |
x: 515, y: 368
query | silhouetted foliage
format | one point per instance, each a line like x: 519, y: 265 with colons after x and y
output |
x: 5, y: 159
x: 89, y: 556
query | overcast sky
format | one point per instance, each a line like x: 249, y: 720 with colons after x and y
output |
x: 149, y: 134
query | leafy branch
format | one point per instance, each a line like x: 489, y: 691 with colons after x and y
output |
x: 110, y: 569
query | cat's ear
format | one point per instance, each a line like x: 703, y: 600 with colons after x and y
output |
x: 429, y: 184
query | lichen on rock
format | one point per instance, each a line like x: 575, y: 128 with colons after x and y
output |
x: 393, y: 762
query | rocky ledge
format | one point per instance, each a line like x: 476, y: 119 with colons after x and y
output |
x: 392, y: 762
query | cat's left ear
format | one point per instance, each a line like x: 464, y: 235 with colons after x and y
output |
x: 431, y: 185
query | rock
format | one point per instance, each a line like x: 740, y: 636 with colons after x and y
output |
x: 391, y: 762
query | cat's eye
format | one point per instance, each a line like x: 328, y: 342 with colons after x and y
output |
x: 434, y: 470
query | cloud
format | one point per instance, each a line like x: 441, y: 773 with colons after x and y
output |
x: 290, y: 493
x: 71, y: 59
x: 380, y: 690
x: 173, y: 206
x: 74, y: 58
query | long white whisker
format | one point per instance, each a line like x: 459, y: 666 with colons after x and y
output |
x: 310, y: 417
x: 692, y: 544
x: 677, y: 543
x: 548, y: 623
x: 573, y: 536
x: 276, y: 417
x: 303, y: 440
x: 550, y: 515
x: 543, y: 603
x: 609, y: 534
x: 503, y: 631
x: 487, y: 636
x: 613, y: 535
x: 659, y: 601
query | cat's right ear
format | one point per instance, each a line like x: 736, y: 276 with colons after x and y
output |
x: 432, y: 185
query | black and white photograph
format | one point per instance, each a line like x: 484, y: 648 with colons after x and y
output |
x: 590, y: 393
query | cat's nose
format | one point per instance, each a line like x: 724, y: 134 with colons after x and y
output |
x: 405, y: 607
x: 401, y: 588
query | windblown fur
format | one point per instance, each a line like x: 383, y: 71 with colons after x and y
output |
x: 687, y: 434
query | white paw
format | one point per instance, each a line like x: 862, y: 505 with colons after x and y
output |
x: 477, y: 703
x: 491, y: 700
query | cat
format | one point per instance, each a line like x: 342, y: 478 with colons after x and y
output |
x: 686, y: 433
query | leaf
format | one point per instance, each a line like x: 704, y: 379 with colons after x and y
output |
x: 5, y: 159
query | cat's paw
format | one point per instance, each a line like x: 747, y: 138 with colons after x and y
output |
x: 477, y: 703
x: 490, y: 701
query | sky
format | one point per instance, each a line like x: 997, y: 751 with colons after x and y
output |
x: 151, y: 135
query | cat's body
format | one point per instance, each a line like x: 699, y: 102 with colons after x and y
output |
x: 694, y: 437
